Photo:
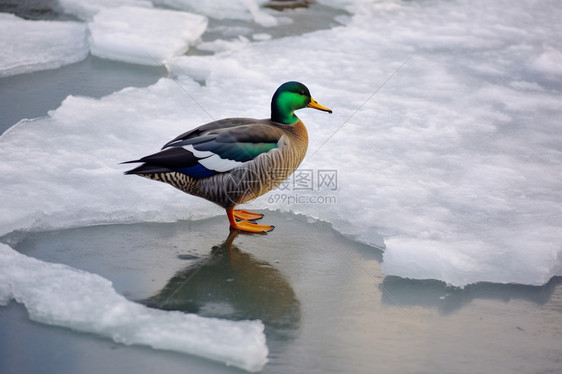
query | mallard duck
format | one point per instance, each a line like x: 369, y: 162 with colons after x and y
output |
x: 234, y: 160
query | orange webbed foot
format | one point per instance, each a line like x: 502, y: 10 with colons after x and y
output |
x: 245, y: 215
x: 244, y: 224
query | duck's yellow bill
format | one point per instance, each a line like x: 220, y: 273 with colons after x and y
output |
x: 314, y: 104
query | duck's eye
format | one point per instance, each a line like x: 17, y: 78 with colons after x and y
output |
x: 302, y: 93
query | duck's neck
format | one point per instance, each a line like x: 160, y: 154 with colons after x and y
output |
x: 283, y: 109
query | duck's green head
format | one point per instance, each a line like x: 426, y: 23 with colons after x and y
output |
x: 289, y: 97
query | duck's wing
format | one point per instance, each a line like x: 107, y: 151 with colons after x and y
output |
x: 211, y: 149
x: 215, y: 127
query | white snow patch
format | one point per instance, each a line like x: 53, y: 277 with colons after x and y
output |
x: 143, y: 36
x: 221, y: 45
x: 27, y: 46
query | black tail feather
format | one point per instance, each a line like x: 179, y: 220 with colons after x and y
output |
x: 146, y: 169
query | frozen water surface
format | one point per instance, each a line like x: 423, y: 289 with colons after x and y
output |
x: 444, y: 140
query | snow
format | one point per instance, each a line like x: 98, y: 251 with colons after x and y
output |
x: 142, y: 35
x: 58, y: 295
x: 61, y: 43
x: 445, y: 136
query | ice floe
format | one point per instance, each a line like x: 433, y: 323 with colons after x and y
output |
x: 142, y: 35
x: 27, y: 46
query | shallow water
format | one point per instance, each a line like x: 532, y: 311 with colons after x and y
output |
x: 326, y: 305
x: 33, y: 95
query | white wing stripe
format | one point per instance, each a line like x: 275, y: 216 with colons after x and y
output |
x: 196, y: 153
x: 219, y: 164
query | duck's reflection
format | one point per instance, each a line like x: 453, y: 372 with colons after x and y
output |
x: 229, y: 283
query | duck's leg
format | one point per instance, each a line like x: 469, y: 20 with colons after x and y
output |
x: 244, y: 225
x: 246, y: 215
